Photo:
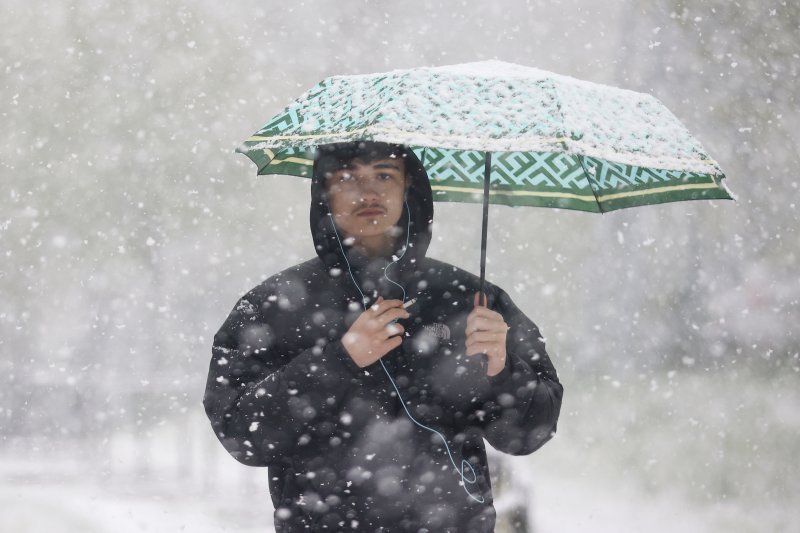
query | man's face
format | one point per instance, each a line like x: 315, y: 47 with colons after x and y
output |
x: 366, y: 199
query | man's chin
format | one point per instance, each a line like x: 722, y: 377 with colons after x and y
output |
x: 374, y: 230
x: 369, y: 233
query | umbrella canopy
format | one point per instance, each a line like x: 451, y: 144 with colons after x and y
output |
x: 496, y: 132
x: 555, y: 141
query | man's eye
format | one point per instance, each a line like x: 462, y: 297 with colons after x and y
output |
x: 384, y: 177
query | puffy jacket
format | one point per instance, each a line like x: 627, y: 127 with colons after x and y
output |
x: 397, y: 445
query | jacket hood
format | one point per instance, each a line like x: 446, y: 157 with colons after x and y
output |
x: 339, y: 256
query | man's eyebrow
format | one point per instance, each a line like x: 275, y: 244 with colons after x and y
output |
x: 387, y: 165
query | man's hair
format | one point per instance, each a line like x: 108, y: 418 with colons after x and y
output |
x: 332, y: 157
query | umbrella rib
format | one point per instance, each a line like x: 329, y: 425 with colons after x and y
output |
x: 589, y: 179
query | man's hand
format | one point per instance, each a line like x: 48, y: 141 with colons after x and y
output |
x: 372, y: 335
x: 486, y: 333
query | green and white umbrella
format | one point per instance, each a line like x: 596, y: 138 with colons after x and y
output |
x: 496, y: 132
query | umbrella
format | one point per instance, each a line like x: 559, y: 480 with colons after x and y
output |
x: 496, y: 132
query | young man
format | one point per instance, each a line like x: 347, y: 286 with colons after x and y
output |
x: 355, y: 376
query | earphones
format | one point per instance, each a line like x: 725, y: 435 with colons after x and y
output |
x: 464, y: 462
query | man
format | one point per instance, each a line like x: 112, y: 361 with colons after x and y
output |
x: 369, y: 412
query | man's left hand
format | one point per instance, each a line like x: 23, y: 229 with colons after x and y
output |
x: 486, y: 333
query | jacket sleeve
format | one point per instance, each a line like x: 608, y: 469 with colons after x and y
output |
x: 521, y: 411
x: 263, y: 401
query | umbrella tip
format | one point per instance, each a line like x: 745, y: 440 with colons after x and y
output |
x: 723, y: 183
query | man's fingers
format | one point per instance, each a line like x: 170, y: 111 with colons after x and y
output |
x: 395, y: 313
x: 376, y: 304
x: 393, y: 342
x: 482, y: 323
x: 485, y: 311
x: 472, y: 342
x: 484, y: 336
x: 480, y: 347
x: 394, y: 329
x: 475, y: 323
x: 476, y: 302
x: 381, y: 306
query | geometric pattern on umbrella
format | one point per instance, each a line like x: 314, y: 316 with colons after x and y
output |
x: 508, y: 168
x: 607, y: 175
x: 566, y: 181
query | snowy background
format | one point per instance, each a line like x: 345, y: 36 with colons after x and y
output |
x: 129, y: 228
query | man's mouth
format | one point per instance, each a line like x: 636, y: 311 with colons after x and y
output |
x: 370, y: 212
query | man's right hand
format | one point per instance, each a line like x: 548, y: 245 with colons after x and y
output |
x: 372, y: 335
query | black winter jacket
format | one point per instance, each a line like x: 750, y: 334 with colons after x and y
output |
x: 343, y: 451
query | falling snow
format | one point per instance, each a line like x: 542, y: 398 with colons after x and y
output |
x: 129, y: 230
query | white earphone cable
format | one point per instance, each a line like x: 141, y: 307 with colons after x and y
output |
x: 464, y: 462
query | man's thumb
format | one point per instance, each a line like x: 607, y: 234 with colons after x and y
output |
x: 476, y: 302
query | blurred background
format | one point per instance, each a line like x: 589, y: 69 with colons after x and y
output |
x: 129, y: 228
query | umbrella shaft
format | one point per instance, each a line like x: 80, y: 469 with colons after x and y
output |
x: 486, y: 178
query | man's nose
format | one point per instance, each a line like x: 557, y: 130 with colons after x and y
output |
x: 367, y: 188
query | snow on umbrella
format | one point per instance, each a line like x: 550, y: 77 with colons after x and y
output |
x: 496, y: 132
